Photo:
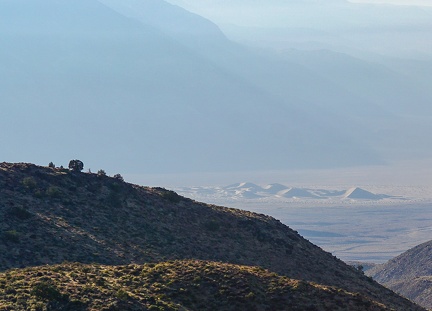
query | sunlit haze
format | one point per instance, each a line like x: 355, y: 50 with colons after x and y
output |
x: 397, y: 2
x: 201, y: 88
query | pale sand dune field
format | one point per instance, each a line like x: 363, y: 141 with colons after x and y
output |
x: 352, y: 229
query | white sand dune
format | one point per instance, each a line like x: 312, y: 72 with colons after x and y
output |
x: 277, y: 192
x: 361, y: 194
x: 244, y: 185
x: 297, y: 193
x: 275, y: 188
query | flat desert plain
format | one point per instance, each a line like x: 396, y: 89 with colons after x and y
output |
x: 359, y: 229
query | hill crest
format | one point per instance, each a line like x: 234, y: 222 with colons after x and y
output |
x: 52, y: 215
x: 409, y: 274
x: 174, y: 285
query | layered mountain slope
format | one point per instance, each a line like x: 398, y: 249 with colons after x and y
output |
x: 392, y: 103
x: 339, y: 25
x: 373, y: 82
x: 81, y: 60
x: 52, y: 215
x: 177, y: 285
x: 172, y: 19
x: 410, y: 274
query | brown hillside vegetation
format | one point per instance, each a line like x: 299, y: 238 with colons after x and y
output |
x: 177, y: 285
x: 418, y: 289
x: 409, y: 274
x: 51, y: 215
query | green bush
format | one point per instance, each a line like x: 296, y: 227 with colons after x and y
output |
x: 46, y: 291
x: 118, y: 177
x: 114, y: 200
x: 29, y: 183
x: 250, y: 296
x: 76, y: 165
x: 11, y: 236
x: 212, y: 225
x: 122, y: 295
x: 53, y: 192
x: 169, y: 195
x: 101, y: 173
x: 19, y: 212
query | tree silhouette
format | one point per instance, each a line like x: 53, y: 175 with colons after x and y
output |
x: 76, y: 165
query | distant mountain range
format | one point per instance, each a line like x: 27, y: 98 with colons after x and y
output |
x: 247, y: 190
x: 338, y: 25
x: 107, y: 79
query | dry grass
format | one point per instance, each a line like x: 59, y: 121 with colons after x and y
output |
x: 49, y: 216
x: 175, y: 285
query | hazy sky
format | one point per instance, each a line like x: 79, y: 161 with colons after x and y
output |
x: 398, y: 2
x: 316, y: 13
x: 136, y: 97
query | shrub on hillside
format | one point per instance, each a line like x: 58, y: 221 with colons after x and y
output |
x: 29, y: 183
x: 118, y: 177
x: 19, y: 212
x: 169, y: 195
x: 101, y: 173
x: 212, y: 225
x: 76, y: 165
x: 122, y: 295
x: 11, y: 236
x: 53, y: 192
x: 46, y: 291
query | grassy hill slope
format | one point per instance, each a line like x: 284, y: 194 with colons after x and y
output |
x: 409, y: 274
x: 176, y: 285
x: 52, y: 215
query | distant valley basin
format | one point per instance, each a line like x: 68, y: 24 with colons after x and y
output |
x: 355, y: 224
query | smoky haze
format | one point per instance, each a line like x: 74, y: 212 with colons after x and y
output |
x: 149, y: 87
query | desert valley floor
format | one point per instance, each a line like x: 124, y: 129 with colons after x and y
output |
x: 354, y: 229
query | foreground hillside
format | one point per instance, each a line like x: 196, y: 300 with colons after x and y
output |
x: 52, y: 215
x: 177, y: 285
x: 409, y: 274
